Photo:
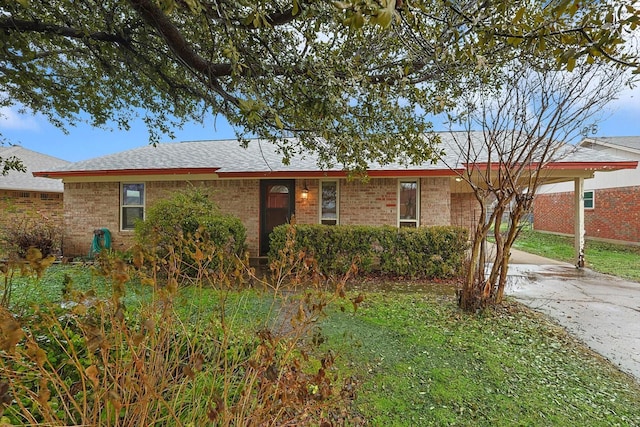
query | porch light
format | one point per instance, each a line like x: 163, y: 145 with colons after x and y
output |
x: 305, y: 190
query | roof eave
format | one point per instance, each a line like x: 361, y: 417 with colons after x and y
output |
x: 595, y: 166
x: 387, y: 173
x: 602, y: 143
x: 125, y: 172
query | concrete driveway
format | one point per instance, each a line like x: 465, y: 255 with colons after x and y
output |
x: 602, y: 311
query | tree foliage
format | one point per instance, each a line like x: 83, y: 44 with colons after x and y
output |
x: 353, y: 80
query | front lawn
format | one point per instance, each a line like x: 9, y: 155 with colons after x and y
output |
x: 416, y: 360
x: 608, y: 258
x: 423, y: 362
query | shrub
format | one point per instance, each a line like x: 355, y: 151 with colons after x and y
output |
x: 426, y: 252
x: 179, y: 224
x: 41, y: 234
x: 184, y: 357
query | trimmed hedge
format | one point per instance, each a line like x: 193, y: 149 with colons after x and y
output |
x: 426, y: 252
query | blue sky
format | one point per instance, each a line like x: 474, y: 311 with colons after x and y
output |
x: 622, y: 118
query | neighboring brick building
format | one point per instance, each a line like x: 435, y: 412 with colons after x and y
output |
x: 113, y: 191
x: 612, y: 200
x: 23, y: 196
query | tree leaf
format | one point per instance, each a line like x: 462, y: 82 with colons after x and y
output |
x: 92, y: 373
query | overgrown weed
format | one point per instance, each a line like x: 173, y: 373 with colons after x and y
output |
x: 94, y: 361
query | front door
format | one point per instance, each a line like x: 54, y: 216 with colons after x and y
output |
x: 277, y: 205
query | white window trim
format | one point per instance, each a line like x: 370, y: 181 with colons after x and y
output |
x: 122, y: 205
x: 417, y: 220
x: 337, y: 218
x: 593, y: 199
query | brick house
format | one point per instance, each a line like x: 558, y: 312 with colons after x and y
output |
x: 252, y: 183
x: 23, y: 195
x: 611, y: 200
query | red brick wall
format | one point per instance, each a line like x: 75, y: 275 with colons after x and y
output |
x: 89, y: 206
x: 615, y: 216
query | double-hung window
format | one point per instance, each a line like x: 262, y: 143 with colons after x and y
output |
x: 329, y: 202
x: 131, y: 204
x: 408, y: 203
x: 589, y: 199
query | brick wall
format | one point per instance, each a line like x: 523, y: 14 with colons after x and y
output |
x: 369, y: 203
x: 89, y: 206
x: 17, y: 207
x: 307, y: 210
x: 238, y: 197
x: 464, y: 210
x: 436, y: 197
x: 615, y: 216
x: 375, y: 202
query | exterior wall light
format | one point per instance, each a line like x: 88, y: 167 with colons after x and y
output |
x: 305, y: 191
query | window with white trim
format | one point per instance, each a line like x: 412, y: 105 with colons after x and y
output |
x: 131, y: 204
x: 408, y: 203
x: 588, y: 197
x: 329, y: 202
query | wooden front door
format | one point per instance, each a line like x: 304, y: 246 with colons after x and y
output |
x: 277, y: 205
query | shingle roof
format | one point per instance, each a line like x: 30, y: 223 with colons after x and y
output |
x: 33, y: 161
x: 632, y: 142
x: 228, y: 157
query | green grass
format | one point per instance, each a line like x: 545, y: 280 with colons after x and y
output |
x: 608, y: 258
x: 419, y: 361
x: 423, y: 362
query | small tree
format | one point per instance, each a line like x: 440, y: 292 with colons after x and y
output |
x: 512, y: 133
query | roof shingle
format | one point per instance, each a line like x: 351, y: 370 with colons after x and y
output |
x: 227, y: 156
x: 33, y: 161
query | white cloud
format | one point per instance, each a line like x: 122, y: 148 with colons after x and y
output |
x: 14, y: 120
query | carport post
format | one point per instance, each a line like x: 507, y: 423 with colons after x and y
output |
x: 579, y: 221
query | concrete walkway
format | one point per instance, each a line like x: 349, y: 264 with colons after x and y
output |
x: 602, y: 311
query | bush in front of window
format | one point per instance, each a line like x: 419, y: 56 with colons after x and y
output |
x: 175, y: 228
x: 425, y: 252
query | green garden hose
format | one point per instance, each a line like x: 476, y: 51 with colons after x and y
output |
x: 101, y: 240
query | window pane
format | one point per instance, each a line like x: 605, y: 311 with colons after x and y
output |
x: 277, y: 197
x: 329, y: 222
x: 408, y: 193
x: 588, y: 199
x: 279, y: 189
x: 130, y: 216
x: 329, y: 197
x: 133, y: 194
